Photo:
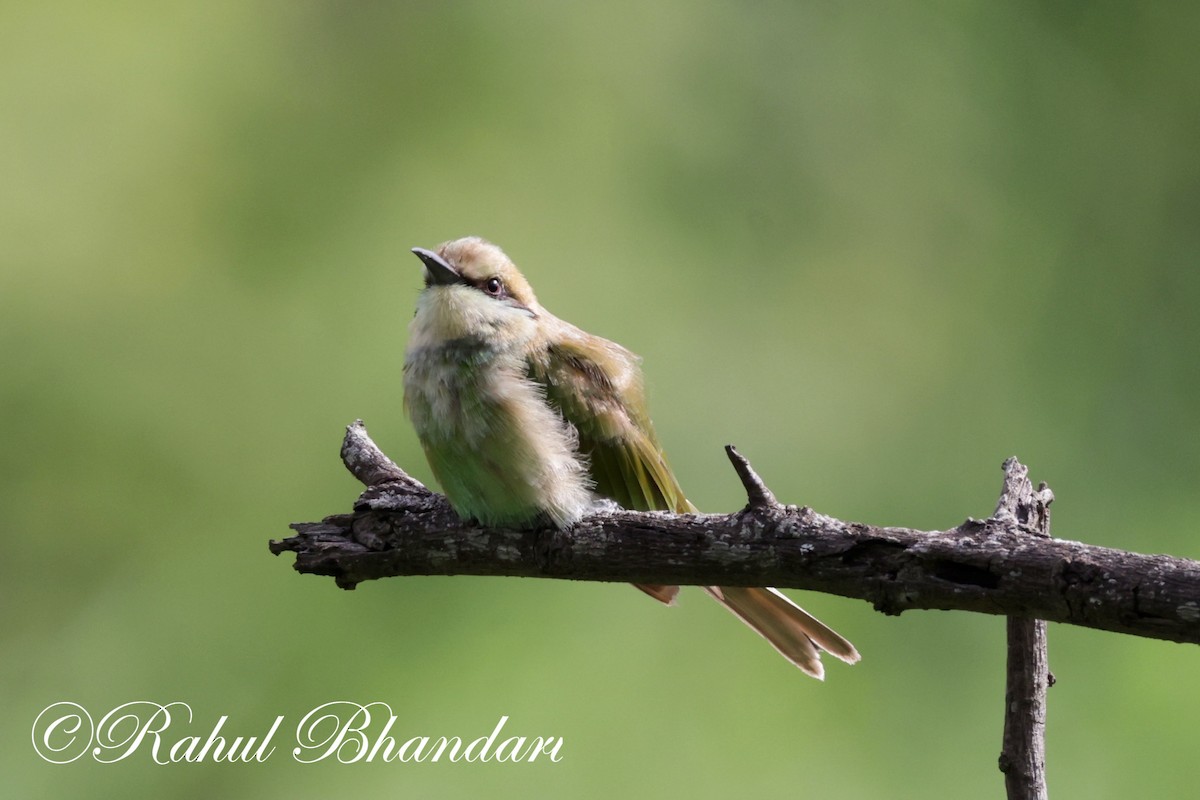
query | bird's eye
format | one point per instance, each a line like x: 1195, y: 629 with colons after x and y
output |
x: 494, y: 287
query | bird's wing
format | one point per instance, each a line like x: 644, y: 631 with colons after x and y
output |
x: 597, y: 386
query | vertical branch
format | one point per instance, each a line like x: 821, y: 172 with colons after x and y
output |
x: 1023, y: 757
x: 1023, y: 754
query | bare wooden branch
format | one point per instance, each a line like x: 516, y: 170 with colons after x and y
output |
x: 367, y: 462
x: 993, y: 566
x: 756, y: 491
x: 1023, y: 752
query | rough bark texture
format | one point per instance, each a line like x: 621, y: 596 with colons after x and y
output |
x: 1023, y: 752
x: 995, y: 566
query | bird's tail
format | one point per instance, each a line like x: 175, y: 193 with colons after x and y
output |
x: 663, y: 594
x: 797, y: 635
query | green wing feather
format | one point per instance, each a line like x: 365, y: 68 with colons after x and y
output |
x: 597, y: 387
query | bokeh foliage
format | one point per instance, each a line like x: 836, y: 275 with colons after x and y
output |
x: 879, y: 247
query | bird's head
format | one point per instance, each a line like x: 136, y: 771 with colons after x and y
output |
x: 473, y: 291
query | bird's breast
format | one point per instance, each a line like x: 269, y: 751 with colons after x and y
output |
x: 500, y: 451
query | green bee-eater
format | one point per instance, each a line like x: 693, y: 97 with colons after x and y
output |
x: 526, y: 418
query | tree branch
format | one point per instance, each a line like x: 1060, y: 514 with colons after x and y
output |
x: 994, y: 566
x: 1023, y: 753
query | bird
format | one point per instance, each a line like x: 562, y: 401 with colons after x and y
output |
x: 527, y: 420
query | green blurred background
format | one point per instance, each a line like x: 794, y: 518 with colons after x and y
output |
x: 878, y: 250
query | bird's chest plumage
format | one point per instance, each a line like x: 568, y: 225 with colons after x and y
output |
x: 502, y: 454
x: 460, y: 393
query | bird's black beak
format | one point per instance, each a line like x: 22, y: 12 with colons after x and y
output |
x: 437, y: 271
